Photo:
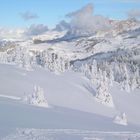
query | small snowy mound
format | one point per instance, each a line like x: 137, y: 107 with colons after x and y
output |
x: 121, y: 120
x: 37, y: 98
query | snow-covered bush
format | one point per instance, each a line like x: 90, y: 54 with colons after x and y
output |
x: 121, y: 119
x: 37, y: 98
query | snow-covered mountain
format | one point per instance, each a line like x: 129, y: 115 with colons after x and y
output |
x: 89, y: 80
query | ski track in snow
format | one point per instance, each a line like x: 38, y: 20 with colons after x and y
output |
x: 70, y: 134
x: 10, y: 97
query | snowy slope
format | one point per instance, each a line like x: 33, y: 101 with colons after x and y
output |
x: 57, y: 123
x: 69, y: 90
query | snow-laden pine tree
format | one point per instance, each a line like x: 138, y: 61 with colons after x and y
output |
x: 56, y: 62
x: 37, y: 98
x: 133, y: 80
x: 103, y: 95
x: 67, y: 64
x: 94, y: 72
x: 18, y: 56
x: 27, y: 60
x: 85, y: 69
x: 111, y: 77
x: 23, y: 58
x: 125, y: 84
x: 62, y: 64
x: 137, y: 75
x: 3, y: 57
x: 121, y: 119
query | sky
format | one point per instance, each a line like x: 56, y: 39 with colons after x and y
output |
x: 22, y: 13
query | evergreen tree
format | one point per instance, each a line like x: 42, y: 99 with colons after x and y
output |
x: 103, y: 94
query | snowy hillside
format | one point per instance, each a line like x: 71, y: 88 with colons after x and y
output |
x: 72, y: 85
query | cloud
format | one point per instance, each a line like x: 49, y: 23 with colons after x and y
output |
x: 63, y: 25
x: 84, y: 19
x: 19, y: 33
x: 11, y: 33
x: 134, y: 13
x: 80, y: 18
x: 28, y: 16
x: 85, y: 11
x: 36, y: 29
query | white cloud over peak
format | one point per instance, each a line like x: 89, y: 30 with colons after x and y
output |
x: 11, y: 33
x: 84, y: 19
x: 21, y: 33
x: 36, y: 29
x: 86, y: 11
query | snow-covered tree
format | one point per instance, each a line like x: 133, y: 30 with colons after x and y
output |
x: 27, y: 61
x: 103, y: 95
x: 94, y: 72
x: 3, y: 57
x: 125, y: 81
x: 133, y: 82
x: 86, y: 70
x: 19, y: 56
x: 111, y: 77
x: 23, y: 58
x: 37, y: 98
x: 55, y: 62
x: 121, y: 119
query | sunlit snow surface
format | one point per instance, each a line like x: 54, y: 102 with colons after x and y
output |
x: 72, y: 106
x: 70, y: 134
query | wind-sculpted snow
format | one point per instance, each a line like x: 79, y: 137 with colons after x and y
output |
x: 73, y: 134
x: 39, y: 122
